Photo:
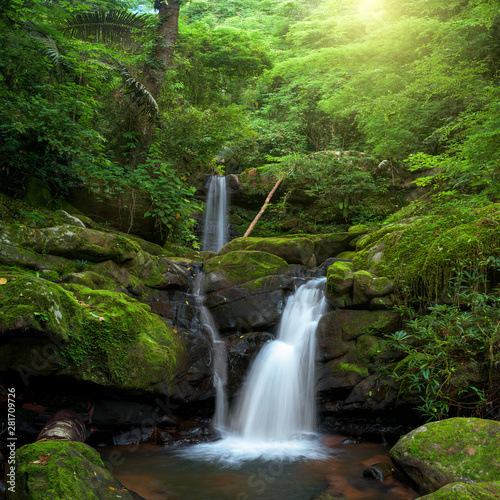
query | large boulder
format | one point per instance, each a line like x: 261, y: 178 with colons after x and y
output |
x: 92, y: 335
x: 253, y: 306
x: 461, y: 450
x: 309, y: 250
x: 52, y: 470
x: 348, y: 343
x: 294, y: 250
x: 235, y: 268
x: 349, y: 287
x: 338, y: 328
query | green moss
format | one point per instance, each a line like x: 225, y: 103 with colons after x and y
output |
x: 121, y: 342
x: 421, y: 254
x: 29, y: 301
x: 354, y: 368
x: 346, y: 255
x: 101, y: 336
x: 53, y: 470
x: 235, y: 268
x: 460, y: 448
x: 463, y: 491
x: 295, y: 250
x: 339, y: 277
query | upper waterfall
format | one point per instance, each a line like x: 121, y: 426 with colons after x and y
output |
x: 215, y: 232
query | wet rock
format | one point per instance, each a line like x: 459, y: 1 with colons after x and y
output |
x: 241, y: 352
x: 454, y: 450
x: 379, y: 472
x: 374, y: 392
x: 337, y: 328
x: 462, y: 491
x: 194, y: 380
x: 256, y: 312
x: 134, y: 436
x: 253, y: 306
x: 348, y: 441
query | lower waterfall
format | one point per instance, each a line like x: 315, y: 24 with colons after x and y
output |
x: 275, y: 414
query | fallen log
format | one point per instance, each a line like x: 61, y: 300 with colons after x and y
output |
x: 65, y: 425
x: 262, y: 210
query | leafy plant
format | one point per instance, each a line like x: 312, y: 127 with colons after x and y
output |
x: 450, y: 357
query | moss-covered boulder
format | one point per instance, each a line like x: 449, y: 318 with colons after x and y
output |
x: 347, y: 286
x: 294, y: 250
x: 462, y: 491
x: 423, y: 250
x: 332, y: 245
x: 337, y: 328
x: 454, y: 450
x: 72, y: 242
x: 235, y: 268
x: 91, y: 335
x: 348, y: 342
x: 339, y: 282
x: 54, y: 470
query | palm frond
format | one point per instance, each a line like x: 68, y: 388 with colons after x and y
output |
x: 140, y: 93
x: 114, y: 26
x: 51, y: 47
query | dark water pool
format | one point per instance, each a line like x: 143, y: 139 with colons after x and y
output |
x: 204, y: 473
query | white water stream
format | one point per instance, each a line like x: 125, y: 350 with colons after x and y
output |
x: 275, y: 414
x: 219, y: 356
x: 215, y: 233
x: 278, y: 399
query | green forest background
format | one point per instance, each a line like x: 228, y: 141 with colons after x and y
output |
x: 86, y: 98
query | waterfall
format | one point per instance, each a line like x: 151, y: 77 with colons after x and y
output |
x: 276, y: 411
x: 278, y: 399
x: 219, y: 356
x: 215, y: 230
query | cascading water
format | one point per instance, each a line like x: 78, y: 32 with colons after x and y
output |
x: 278, y: 400
x: 219, y: 357
x: 215, y: 233
x: 276, y: 411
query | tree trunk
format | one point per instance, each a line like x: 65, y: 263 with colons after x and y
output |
x: 262, y: 210
x: 65, y: 425
x: 168, y: 17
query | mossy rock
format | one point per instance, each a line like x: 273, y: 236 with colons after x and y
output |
x: 422, y: 252
x: 339, y: 282
x: 454, y: 450
x: 235, y: 268
x: 294, y: 250
x: 54, y: 470
x: 57, y: 247
x: 462, y: 491
x: 91, y: 335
